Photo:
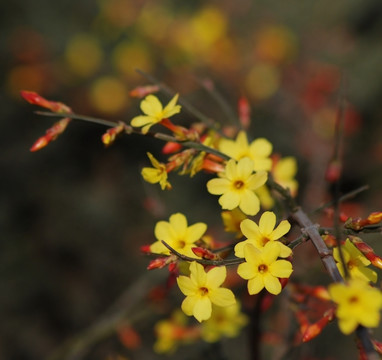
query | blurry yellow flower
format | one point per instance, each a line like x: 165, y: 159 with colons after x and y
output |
x: 236, y: 186
x: 265, y: 232
x: 357, y: 304
x: 262, y: 269
x: 232, y: 220
x: 224, y: 322
x: 284, y: 172
x: 177, y: 234
x: 203, y: 289
x: 154, y: 112
x: 108, y: 95
x: 173, y: 332
x: 258, y: 150
x: 84, y: 54
x: 355, y: 261
x: 156, y: 174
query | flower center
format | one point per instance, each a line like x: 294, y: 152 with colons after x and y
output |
x: 264, y: 240
x: 203, y: 290
x: 181, y: 244
x: 351, y: 264
x: 238, y: 184
x: 353, y: 299
x: 262, y: 268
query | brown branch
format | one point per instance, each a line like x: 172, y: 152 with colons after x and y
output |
x: 204, y: 261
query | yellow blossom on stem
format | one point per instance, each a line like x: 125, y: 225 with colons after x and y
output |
x: 356, y: 263
x: 262, y: 269
x: 224, y: 322
x: 177, y: 234
x: 236, y: 186
x: 260, y: 235
x: 357, y: 304
x: 258, y: 150
x: 154, y: 112
x: 232, y: 220
x: 202, y: 289
x: 156, y: 174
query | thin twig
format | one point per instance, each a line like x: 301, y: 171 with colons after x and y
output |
x: 345, y: 197
x: 222, y: 262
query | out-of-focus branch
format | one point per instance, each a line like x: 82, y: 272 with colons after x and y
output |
x: 126, y: 310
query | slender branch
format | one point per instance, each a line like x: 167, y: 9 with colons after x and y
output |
x: 227, y: 110
x: 345, y: 197
x: 222, y: 262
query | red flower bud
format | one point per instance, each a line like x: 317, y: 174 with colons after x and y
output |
x: 35, y: 99
x: 141, y: 91
x: 244, y: 112
x: 333, y: 171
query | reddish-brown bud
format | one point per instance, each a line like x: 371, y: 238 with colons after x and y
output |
x: 145, y: 249
x: 315, y: 329
x: 109, y: 137
x: 50, y: 134
x: 35, y: 99
x: 142, y: 91
x: 204, y: 253
x: 171, y: 147
x: 244, y: 112
x: 333, y: 171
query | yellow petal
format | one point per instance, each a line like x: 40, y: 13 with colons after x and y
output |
x: 255, y: 285
x: 151, y: 106
x: 164, y: 231
x: 230, y: 170
x: 195, y: 232
x: 267, y: 223
x: 230, y: 200
x: 202, y: 309
x: 272, y: 284
x: 186, y: 285
x: 171, y: 109
x: 142, y: 120
x: 222, y: 297
x: 250, y: 229
x: 179, y: 224
x: 280, y: 230
x: 244, y: 168
x: 260, y: 148
x: 218, y: 186
x: 347, y: 325
x: 188, y: 304
x: 246, y: 271
x: 198, y: 275
x: 281, y: 269
x: 216, y: 277
x: 249, y: 203
x: 257, y: 180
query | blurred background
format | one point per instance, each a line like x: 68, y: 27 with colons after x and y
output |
x: 74, y: 215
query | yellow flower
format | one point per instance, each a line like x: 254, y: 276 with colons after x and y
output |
x: 224, y: 322
x: 355, y: 261
x: 237, y: 185
x: 157, y: 174
x: 258, y: 151
x: 232, y: 220
x: 202, y: 289
x: 262, y: 269
x: 154, y: 112
x: 177, y: 234
x: 173, y: 332
x: 357, y: 304
x: 260, y: 235
x: 284, y: 172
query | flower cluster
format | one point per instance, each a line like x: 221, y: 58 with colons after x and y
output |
x: 252, y: 183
